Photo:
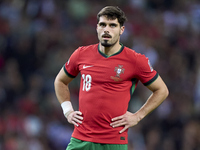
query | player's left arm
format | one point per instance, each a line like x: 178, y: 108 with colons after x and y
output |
x: 159, y: 94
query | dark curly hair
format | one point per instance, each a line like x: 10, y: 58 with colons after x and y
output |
x: 112, y: 12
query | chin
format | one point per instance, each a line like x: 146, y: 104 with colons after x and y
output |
x: 106, y: 44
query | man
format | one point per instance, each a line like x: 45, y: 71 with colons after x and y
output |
x: 109, y: 75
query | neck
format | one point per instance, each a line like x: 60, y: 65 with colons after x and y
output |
x: 110, y: 50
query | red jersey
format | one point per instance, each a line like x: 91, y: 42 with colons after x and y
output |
x: 107, y: 84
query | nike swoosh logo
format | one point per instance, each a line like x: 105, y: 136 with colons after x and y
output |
x: 84, y: 67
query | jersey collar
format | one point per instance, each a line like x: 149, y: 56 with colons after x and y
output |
x: 106, y: 56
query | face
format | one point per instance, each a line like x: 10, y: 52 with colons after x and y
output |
x: 109, y: 31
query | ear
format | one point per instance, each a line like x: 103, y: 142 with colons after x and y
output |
x: 122, y: 30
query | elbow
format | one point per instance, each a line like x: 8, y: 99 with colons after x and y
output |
x: 165, y: 92
x: 55, y: 81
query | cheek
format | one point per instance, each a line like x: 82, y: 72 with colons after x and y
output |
x: 99, y: 31
x: 117, y: 34
x: 99, y: 34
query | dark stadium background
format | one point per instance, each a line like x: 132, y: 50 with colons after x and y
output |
x: 37, y: 38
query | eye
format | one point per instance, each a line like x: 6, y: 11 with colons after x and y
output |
x: 102, y: 24
x: 113, y: 25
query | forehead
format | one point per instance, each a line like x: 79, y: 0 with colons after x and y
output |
x: 106, y: 20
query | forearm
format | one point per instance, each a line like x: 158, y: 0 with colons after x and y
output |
x: 156, y: 98
x: 63, y: 96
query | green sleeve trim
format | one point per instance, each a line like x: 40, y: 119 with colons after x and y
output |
x: 68, y: 74
x: 152, y: 80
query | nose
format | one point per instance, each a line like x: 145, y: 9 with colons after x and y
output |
x: 106, y: 31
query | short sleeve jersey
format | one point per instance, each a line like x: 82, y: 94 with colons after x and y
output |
x: 107, y: 84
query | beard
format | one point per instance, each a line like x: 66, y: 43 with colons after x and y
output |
x: 105, y: 43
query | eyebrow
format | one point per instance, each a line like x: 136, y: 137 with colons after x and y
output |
x: 113, y: 24
x: 101, y: 23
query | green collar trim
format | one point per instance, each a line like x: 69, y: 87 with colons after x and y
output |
x: 106, y: 56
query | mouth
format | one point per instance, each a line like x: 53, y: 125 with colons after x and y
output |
x: 106, y: 36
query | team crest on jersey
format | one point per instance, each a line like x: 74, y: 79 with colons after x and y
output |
x: 119, y: 70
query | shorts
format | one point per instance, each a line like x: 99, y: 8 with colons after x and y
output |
x: 76, y: 144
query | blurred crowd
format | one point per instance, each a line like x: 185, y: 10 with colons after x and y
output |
x: 38, y: 36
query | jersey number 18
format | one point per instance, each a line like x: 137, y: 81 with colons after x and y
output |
x: 87, y: 79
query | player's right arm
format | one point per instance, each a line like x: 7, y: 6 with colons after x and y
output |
x: 61, y: 85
